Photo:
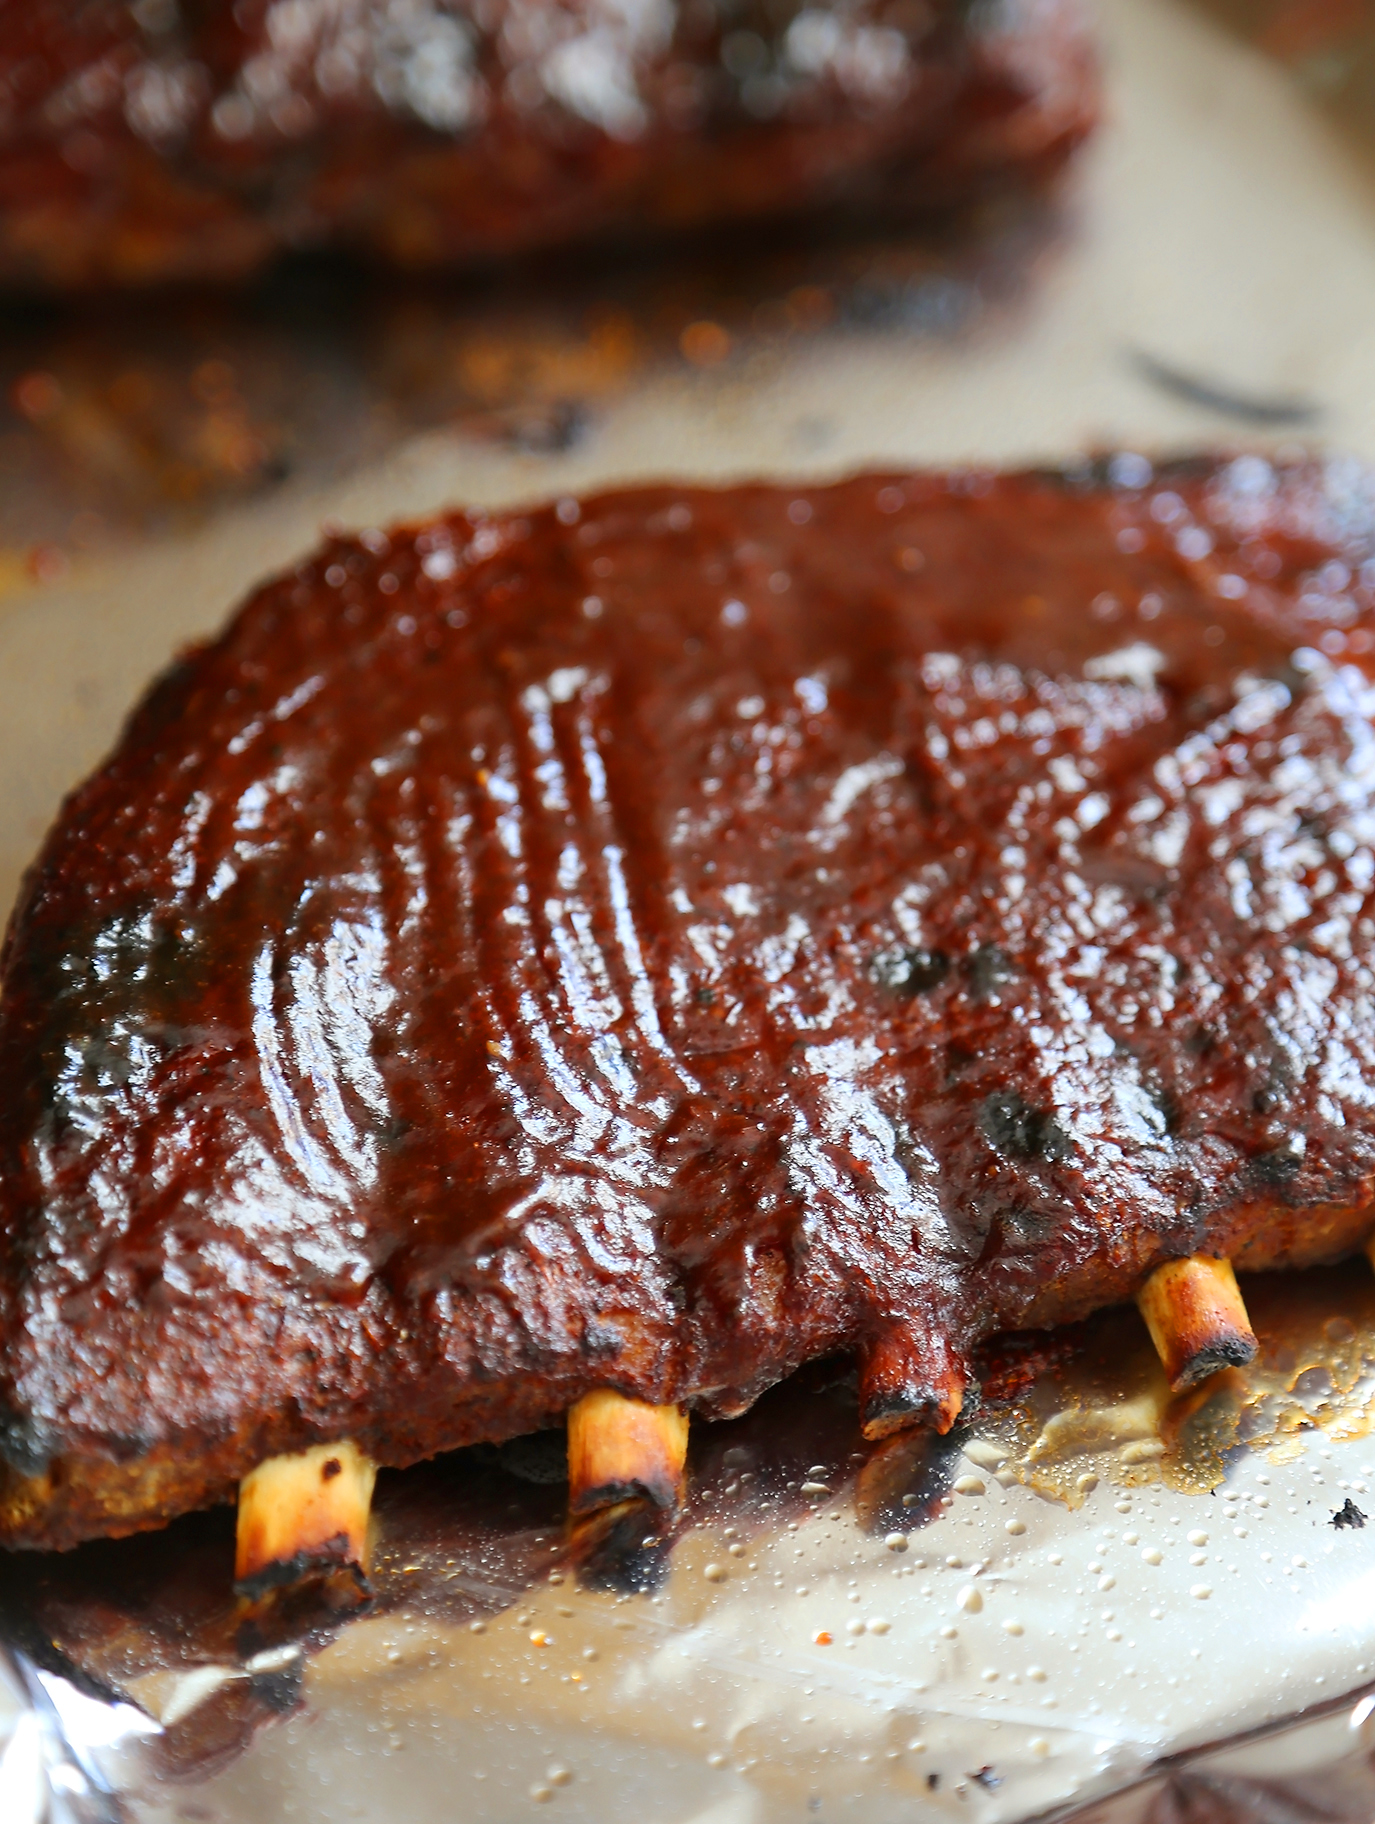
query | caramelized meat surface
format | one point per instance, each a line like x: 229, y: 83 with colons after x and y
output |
x: 150, y: 141
x: 652, y: 942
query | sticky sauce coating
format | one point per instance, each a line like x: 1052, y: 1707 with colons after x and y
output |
x: 655, y: 941
x: 145, y: 142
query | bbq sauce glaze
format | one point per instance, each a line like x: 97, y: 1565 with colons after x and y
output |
x: 144, y: 144
x: 656, y: 940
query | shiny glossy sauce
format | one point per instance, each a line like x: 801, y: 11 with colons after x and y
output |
x: 657, y: 939
x: 151, y: 142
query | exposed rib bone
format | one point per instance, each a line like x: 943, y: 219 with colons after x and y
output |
x: 909, y: 1377
x: 303, y: 1514
x: 1198, y: 1323
x: 620, y: 1449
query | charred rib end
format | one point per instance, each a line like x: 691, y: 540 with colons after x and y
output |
x: 1198, y: 1323
x: 621, y: 1449
x: 303, y: 1515
x: 905, y: 1379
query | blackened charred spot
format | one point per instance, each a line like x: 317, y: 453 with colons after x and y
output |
x: 1274, y: 1088
x: 624, y: 1550
x: 1017, y: 1130
x: 26, y: 1446
x: 910, y: 972
x: 1202, y: 1042
x: 124, y: 991
x: 988, y: 969
x: 1024, y: 1223
x: 1167, y: 1102
x: 1280, y: 1163
x: 1348, y: 1514
x: 957, y: 1060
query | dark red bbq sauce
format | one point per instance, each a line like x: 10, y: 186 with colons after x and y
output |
x: 147, y: 143
x: 659, y: 940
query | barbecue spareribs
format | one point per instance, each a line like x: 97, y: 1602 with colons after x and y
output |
x: 143, y: 140
x: 647, y: 943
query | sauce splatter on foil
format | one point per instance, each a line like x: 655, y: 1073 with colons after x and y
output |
x: 1066, y: 1409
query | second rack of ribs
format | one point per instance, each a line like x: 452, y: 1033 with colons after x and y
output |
x: 648, y: 945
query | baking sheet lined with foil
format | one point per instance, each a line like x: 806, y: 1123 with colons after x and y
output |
x: 1093, y: 1579
x: 1093, y: 1576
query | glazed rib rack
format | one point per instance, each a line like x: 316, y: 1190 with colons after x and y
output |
x: 586, y: 962
x: 143, y: 145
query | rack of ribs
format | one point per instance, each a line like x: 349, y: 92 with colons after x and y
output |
x: 586, y: 962
x: 148, y: 142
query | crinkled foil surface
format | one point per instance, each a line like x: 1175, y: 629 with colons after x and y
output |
x: 1098, y: 1599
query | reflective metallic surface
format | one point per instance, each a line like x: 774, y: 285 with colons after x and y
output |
x: 835, y: 1630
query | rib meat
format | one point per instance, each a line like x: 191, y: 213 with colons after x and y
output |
x: 147, y: 142
x: 648, y: 943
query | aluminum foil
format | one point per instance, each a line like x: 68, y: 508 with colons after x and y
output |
x: 1095, y: 1597
x: 1093, y: 1579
